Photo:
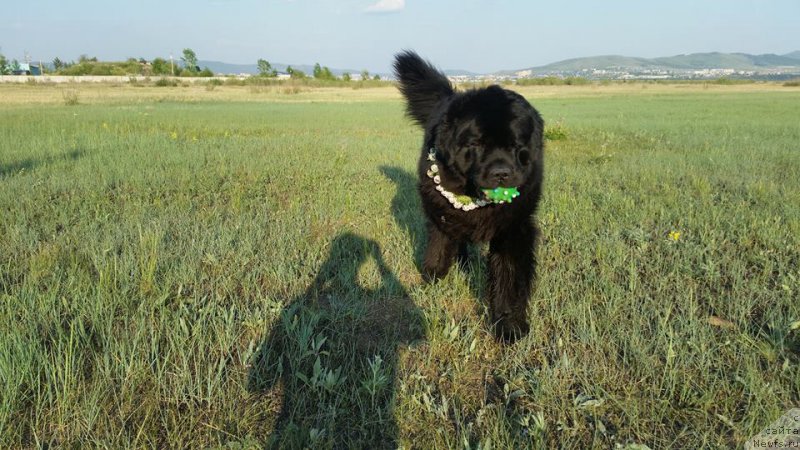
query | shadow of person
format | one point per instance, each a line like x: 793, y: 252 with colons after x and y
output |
x: 334, y: 351
x: 407, y: 212
x: 407, y: 209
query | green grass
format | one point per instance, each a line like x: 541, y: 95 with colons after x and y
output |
x: 240, y: 274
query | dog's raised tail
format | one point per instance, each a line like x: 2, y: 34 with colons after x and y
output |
x: 422, y: 85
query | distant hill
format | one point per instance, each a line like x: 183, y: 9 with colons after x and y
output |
x: 739, y: 61
x: 459, y: 73
x: 793, y: 55
x: 694, y: 61
x: 595, y: 62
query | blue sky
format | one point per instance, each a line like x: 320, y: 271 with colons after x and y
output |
x: 476, y: 35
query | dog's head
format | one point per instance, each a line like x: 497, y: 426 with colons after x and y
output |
x: 484, y: 138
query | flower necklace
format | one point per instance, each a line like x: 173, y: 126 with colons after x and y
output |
x: 465, y: 202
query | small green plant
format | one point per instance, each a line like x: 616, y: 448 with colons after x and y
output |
x: 213, y: 83
x: 555, y: 132
x: 166, y: 82
x: 292, y: 89
x: 70, y: 97
x: 377, y: 378
x: 235, y: 81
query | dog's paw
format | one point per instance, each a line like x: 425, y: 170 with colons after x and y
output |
x: 509, y: 329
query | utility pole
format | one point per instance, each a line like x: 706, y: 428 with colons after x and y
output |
x: 28, y: 62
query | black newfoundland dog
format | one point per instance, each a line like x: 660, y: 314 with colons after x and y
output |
x: 476, y: 141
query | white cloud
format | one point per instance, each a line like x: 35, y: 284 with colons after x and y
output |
x: 383, y: 6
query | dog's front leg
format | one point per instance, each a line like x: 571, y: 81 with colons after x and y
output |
x: 512, y: 267
x: 439, y: 254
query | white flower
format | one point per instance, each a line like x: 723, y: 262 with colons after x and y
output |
x: 437, y: 179
x: 434, y: 167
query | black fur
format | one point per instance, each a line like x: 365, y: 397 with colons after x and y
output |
x: 483, y: 138
x: 422, y: 85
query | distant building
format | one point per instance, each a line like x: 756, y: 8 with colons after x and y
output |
x: 28, y: 69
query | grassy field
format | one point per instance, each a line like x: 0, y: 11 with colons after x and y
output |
x: 236, y: 267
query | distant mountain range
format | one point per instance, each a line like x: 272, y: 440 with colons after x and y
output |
x: 694, y: 61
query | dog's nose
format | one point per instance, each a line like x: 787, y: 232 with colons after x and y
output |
x: 500, y: 173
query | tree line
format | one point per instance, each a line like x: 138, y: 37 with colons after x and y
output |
x: 188, y: 66
x: 265, y: 69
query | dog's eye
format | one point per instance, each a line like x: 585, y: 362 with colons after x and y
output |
x: 524, y: 157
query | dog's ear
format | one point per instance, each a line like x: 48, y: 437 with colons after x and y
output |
x: 421, y: 84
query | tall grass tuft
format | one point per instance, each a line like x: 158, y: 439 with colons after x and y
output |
x: 70, y: 97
